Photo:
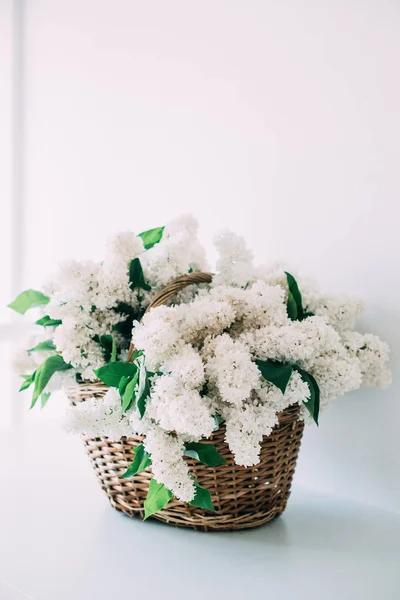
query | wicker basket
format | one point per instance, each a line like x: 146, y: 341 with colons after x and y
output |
x: 243, y: 497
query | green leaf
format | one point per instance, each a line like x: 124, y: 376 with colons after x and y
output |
x: 143, y: 387
x: 276, y: 372
x: 218, y: 421
x: 157, y: 498
x: 142, y: 374
x: 141, y: 400
x: 129, y: 393
x: 294, y: 290
x: 113, y: 350
x: 29, y: 379
x: 124, y: 327
x: 151, y: 237
x: 313, y: 402
x: 46, y: 321
x: 205, y: 453
x: 143, y: 384
x: 44, y: 398
x: 45, y: 346
x: 122, y: 384
x: 291, y: 307
x: 130, y: 314
x: 107, y: 342
x: 45, y: 372
x: 160, y: 373
x: 136, y: 276
x: 123, y: 308
x: 308, y: 314
x: 28, y: 299
x: 202, y: 498
x: 111, y: 373
x: 141, y: 461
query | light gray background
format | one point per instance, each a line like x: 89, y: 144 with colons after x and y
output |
x: 278, y: 119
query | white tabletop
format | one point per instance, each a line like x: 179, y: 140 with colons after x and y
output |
x: 60, y: 540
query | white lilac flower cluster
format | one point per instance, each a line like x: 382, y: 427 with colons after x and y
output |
x: 203, y: 352
x: 95, y: 299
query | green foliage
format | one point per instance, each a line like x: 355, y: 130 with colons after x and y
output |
x: 107, y: 342
x: 128, y: 396
x: 111, y: 373
x: 126, y: 376
x: 45, y: 346
x: 141, y: 461
x: 125, y: 327
x: 45, y: 372
x: 158, y: 497
x: 143, y: 387
x: 279, y: 374
x: 46, y: 321
x: 294, y: 298
x: 291, y: 307
x: 151, y: 237
x: 205, y: 453
x: 44, y: 398
x: 313, y: 402
x: 202, y: 498
x: 113, y: 350
x: 136, y: 276
x: 28, y: 299
x: 29, y: 379
x: 123, y: 382
x: 276, y: 372
x: 294, y: 305
x: 218, y: 421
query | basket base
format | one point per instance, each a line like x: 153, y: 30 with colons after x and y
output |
x: 243, y: 497
x: 199, y: 522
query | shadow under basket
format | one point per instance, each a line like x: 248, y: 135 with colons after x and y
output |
x: 243, y: 497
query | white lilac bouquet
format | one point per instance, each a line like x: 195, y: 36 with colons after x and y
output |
x: 235, y: 353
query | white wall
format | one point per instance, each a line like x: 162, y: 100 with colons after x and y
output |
x: 6, y: 47
x: 279, y: 119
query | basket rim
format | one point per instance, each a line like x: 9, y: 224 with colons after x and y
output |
x: 170, y: 290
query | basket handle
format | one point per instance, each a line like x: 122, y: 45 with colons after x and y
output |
x: 170, y: 290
